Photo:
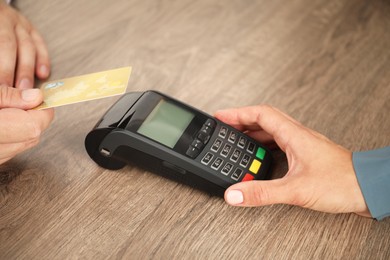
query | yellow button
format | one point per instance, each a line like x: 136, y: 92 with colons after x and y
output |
x: 255, y: 166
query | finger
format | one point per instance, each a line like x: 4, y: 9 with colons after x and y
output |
x: 42, y: 57
x: 42, y: 117
x: 8, y: 52
x: 293, y: 120
x: 271, y: 120
x: 20, y: 126
x: 18, y: 98
x: 259, y: 193
x: 233, y: 117
x: 3, y: 160
x: 26, y: 59
x: 250, y: 127
x: 261, y: 136
x: 287, y: 133
x: 246, y: 116
x: 7, y: 151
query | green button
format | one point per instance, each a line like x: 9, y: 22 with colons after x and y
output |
x: 260, y: 153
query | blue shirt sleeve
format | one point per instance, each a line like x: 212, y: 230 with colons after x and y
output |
x: 372, y: 170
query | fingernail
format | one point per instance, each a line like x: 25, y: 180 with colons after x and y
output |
x: 234, y: 197
x: 44, y: 70
x: 31, y: 94
x: 25, y: 84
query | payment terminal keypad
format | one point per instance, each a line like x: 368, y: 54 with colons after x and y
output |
x: 234, y: 155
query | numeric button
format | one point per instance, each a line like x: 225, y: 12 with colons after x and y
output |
x: 216, y: 145
x: 232, y: 137
x: 223, y: 132
x: 226, y: 150
x: 241, y: 142
x: 245, y: 160
x: 237, y: 174
x: 236, y: 154
x: 217, y: 163
x: 207, y: 158
x: 227, y: 168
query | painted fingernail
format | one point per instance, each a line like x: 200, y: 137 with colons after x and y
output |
x: 25, y: 84
x: 31, y: 94
x: 234, y: 197
x: 44, y: 70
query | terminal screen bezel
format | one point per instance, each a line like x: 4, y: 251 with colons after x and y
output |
x: 147, y: 103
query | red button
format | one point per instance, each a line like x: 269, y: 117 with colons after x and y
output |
x: 248, y: 177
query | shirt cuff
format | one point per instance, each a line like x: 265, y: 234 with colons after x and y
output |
x: 372, y: 170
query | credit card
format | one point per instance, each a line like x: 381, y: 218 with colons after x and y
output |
x: 85, y: 87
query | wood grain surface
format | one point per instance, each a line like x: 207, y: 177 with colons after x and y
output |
x: 326, y: 63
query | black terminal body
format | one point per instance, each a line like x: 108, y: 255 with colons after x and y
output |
x: 165, y: 136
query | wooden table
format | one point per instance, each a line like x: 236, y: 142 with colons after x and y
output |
x: 326, y: 63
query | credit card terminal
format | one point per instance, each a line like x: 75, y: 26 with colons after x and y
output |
x: 165, y: 136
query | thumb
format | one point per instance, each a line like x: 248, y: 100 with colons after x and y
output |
x: 18, y: 98
x: 259, y: 193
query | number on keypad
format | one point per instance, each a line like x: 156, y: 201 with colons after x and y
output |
x: 232, y: 137
x: 207, y: 158
x: 223, y: 132
x: 241, y: 142
x: 226, y: 150
x: 216, y: 145
x: 241, y: 158
x: 236, y: 154
x: 227, y: 168
x: 217, y: 163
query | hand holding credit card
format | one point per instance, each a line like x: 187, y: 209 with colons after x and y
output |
x: 83, y: 88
